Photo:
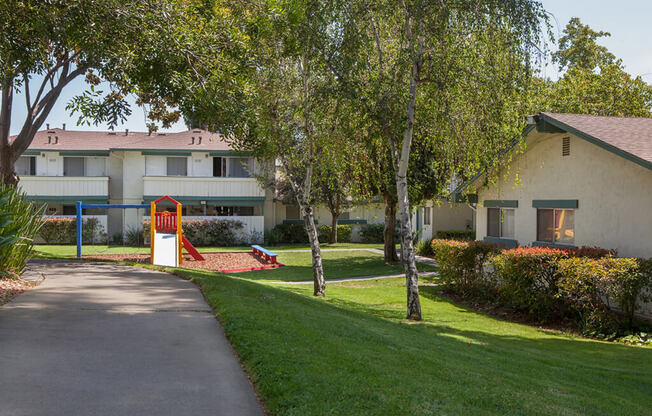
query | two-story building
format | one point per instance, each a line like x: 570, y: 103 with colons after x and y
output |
x: 196, y: 167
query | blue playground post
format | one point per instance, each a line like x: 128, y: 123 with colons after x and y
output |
x: 78, y: 206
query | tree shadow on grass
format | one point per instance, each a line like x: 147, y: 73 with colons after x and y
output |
x: 333, y: 349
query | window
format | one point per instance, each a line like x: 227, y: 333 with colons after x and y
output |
x: 69, y: 210
x: 500, y: 222
x: 73, y: 166
x: 556, y: 226
x: 219, y: 167
x: 239, y: 167
x: 177, y: 166
x: 26, y: 166
x: 427, y: 215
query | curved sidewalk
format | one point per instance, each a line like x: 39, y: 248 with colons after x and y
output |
x: 106, y: 339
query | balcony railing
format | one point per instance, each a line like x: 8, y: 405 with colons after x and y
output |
x: 202, y: 186
x: 65, y: 186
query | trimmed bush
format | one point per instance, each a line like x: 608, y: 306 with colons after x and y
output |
x: 372, y: 233
x: 216, y: 232
x: 423, y: 248
x: 526, y: 279
x: 343, y: 233
x: 464, y: 235
x: 64, y: 230
x: 591, y: 252
x: 461, y: 263
x: 288, y: 234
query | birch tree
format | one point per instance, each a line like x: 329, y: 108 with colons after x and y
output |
x: 437, y: 55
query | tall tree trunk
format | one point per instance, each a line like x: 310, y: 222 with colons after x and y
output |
x: 407, y: 246
x: 333, y: 236
x: 7, y: 173
x: 311, y: 229
x: 389, y: 234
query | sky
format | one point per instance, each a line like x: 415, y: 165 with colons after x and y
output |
x: 628, y: 21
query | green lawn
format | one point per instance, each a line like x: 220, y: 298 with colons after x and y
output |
x: 71, y: 250
x: 353, y: 353
x: 337, y: 264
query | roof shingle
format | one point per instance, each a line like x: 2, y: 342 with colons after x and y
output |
x: 629, y: 134
x: 59, y: 139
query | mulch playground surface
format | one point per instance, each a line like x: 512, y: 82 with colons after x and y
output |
x: 219, y: 262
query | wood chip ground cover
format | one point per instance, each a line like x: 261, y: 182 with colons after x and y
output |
x: 213, y: 261
x: 10, y: 288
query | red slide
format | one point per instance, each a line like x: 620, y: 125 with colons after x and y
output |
x: 192, y: 250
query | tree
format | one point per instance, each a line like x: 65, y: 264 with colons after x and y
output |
x: 578, y: 48
x: 595, y: 82
x: 52, y: 43
x: 280, y: 103
x: 421, y: 65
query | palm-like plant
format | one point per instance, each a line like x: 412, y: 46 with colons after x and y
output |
x: 19, y: 222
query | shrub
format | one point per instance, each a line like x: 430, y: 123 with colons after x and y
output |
x: 591, y: 252
x: 64, y: 230
x: 465, y: 235
x: 423, y: 248
x: 582, y: 286
x: 343, y: 233
x: 134, y: 237
x: 461, y: 263
x: 372, y: 233
x: 58, y: 230
x: 289, y: 234
x: 19, y: 222
x: 526, y: 279
x: 630, y: 284
x: 216, y: 232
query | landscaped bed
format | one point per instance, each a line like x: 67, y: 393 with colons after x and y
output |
x: 219, y: 262
x: 10, y: 288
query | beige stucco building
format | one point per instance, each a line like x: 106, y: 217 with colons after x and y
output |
x: 580, y: 180
x: 196, y: 167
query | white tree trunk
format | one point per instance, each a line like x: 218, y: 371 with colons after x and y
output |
x: 407, y: 247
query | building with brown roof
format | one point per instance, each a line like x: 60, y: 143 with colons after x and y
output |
x: 581, y: 180
x: 196, y: 167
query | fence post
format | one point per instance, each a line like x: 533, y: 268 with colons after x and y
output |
x: 78, y: 224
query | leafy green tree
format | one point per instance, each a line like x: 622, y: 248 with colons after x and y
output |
x: 447, y: 71
x: 595, y: 81
x: 45, y: 45
x: 578, y: 48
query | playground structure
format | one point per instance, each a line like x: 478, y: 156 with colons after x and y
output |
x: 167, y: 243
x: 166, y: 236
x: 166, y: 232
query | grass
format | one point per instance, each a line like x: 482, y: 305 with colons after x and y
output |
x: 337, y: 264
x: 353, y: 353
x: 71, y: 250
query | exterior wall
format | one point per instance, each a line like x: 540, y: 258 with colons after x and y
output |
x: 133, y: 171
x: 202, y: 186
x: 614, y: 194
x: 59, y: 186
x: 452, y: 217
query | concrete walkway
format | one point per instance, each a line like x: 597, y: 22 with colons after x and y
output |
x: 105, y: 339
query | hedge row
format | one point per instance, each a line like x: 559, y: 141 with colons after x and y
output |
x: 64, y: 231
x: 296, y: 234
x: 215, y: 232
x: 465, y: 235
x: 582, y: 285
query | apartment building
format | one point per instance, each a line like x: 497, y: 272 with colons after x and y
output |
x: 196, y: 167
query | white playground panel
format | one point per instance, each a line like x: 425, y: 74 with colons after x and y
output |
x: 166, y: 252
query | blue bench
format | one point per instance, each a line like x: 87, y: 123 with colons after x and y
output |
x: 264, y: 253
